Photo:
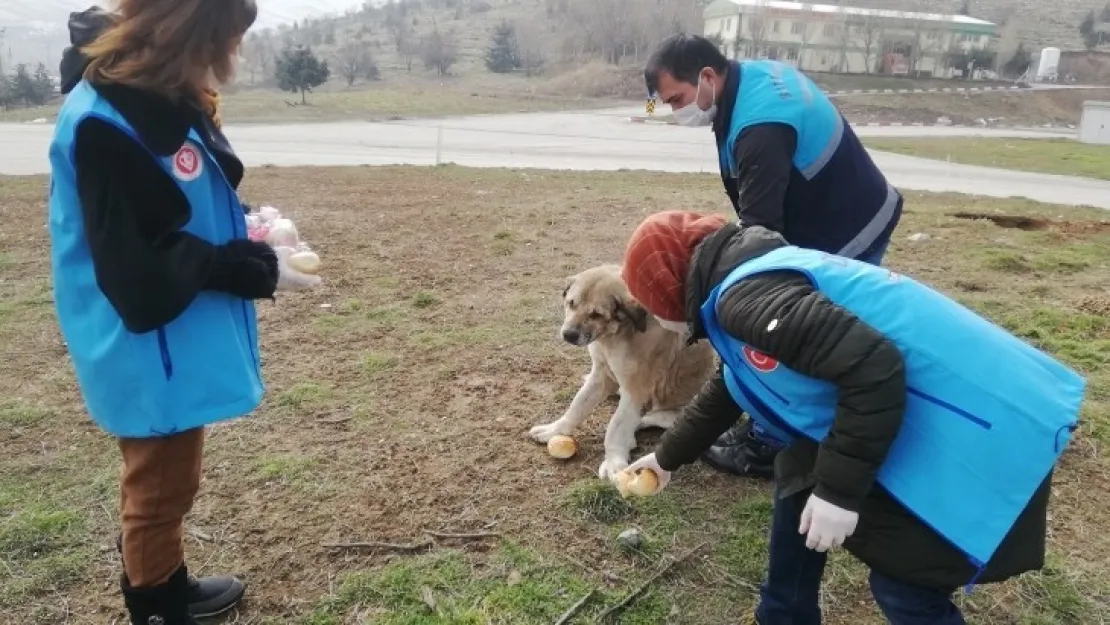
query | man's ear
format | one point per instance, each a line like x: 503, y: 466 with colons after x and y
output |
x: 630, y: 310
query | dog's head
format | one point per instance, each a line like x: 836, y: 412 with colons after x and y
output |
x: 596, y: 304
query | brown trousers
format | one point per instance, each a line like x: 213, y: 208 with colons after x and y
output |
x: 160, y: 479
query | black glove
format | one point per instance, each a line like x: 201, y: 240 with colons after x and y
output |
x: 245, y: 268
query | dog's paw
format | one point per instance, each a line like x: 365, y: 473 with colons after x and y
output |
x: 611, y: 467
x: 544, y: 433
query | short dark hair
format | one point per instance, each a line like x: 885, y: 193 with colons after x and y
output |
x: 683, y: 56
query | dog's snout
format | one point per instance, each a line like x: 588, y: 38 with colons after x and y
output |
x: 572, y: 336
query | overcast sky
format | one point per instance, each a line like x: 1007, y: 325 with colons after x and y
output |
x: 271, y: 12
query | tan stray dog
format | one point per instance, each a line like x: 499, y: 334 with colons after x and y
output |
x: 652, y: 368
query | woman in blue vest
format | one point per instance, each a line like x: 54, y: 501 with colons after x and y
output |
x: 154, y: 280
x: 920, y: 436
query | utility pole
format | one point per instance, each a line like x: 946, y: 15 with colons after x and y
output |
x: 2, y: 31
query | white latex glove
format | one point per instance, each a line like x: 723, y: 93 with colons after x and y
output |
x: 825, y: 525
x: 290, y: 279
x: 649, y: 462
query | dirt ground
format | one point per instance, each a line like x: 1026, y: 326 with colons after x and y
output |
x: 1053, y: 107
x: 399, y: 395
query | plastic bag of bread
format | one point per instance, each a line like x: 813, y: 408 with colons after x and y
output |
x: 267, y: 224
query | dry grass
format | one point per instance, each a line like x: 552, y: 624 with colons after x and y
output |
x: 1056, y: 107
x: 399, y: 395
x: 385, y: 100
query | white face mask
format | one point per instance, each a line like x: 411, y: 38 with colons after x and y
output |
x: 692, y: 114
x: 678, y: 327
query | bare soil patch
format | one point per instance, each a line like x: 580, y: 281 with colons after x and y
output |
x: 399, y: 395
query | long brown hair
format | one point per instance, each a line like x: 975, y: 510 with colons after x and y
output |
x: 170, y: 46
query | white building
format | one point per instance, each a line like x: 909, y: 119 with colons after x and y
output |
x: 834, y: 38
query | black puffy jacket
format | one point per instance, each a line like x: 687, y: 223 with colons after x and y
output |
x: 818, y: 338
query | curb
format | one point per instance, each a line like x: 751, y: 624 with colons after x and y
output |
x: 934, y: 90
x: 644, y: 120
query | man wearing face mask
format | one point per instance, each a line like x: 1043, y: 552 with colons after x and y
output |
x: 789, y: 162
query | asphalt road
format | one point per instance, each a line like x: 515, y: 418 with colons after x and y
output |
x: 596, y: 140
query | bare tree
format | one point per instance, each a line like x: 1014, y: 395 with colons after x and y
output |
x: 397, y: 23
x: 757, y: 34
x: 409, y: 49
x: 439, y: 51
x: 846, y: 37
x: 259, y: 51
x: 603, y: 26
x: 926, y: 43
x: 808, y: 27
x: 871, y: 35
x: 529, y: 47
x: 355, y: 60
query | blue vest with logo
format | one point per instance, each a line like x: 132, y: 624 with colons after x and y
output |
x: 837, y: 200
x: 987, y: 415
x: 200, y: 368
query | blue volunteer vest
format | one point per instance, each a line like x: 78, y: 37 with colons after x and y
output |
x: 202, y: 367
x: 987, y: 415
x: 838, y: 201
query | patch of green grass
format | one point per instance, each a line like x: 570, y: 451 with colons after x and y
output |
x: 305, y: 396
x: 1006, y: 261
x: 284, y: 468
x: 423, y: 299
x: 1080, y: 339
x: 1052, y: 596
x: 503, y: 248
x: 517, y: 586
x: 598, y: 500
x: 744, y: 552
x: 41, y: 543
x: 456, y: 337
x: 375, y: 363
x: 385, y: 314
x: 38, y: 529
x: 1051, y: 156
x: 353, y: 314
x: 16, y: 413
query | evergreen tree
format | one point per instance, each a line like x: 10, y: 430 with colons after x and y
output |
x: 299, y: 70
x: 503, y: 55
x: 1088, y: 31
x: 43, y: 85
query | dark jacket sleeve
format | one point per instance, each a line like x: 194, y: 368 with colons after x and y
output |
x: 703, y: 420
x: 765, y: 156
x: 782, y: 316
x: 147, y: 267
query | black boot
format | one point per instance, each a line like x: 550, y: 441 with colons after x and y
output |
x: 739, y: 452
x: 212, y: 596
x: 208, y: 596
x: 167, y: 604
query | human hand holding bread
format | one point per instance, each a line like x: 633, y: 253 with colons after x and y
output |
x: 297, y: 263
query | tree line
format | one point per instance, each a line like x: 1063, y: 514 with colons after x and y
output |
x: 26, y: 87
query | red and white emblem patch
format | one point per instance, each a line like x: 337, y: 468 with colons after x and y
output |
x: 760, y: 362
x: 187, y: 163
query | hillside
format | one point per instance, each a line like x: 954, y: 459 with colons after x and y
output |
x: 1038, y: 23
x: 568, y: 39
x: 447, y: 41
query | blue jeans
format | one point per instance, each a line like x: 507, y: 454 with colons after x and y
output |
x: 789, y: 595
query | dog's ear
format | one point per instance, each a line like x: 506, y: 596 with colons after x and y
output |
x: 630, y: 310
x: 566, y: 287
